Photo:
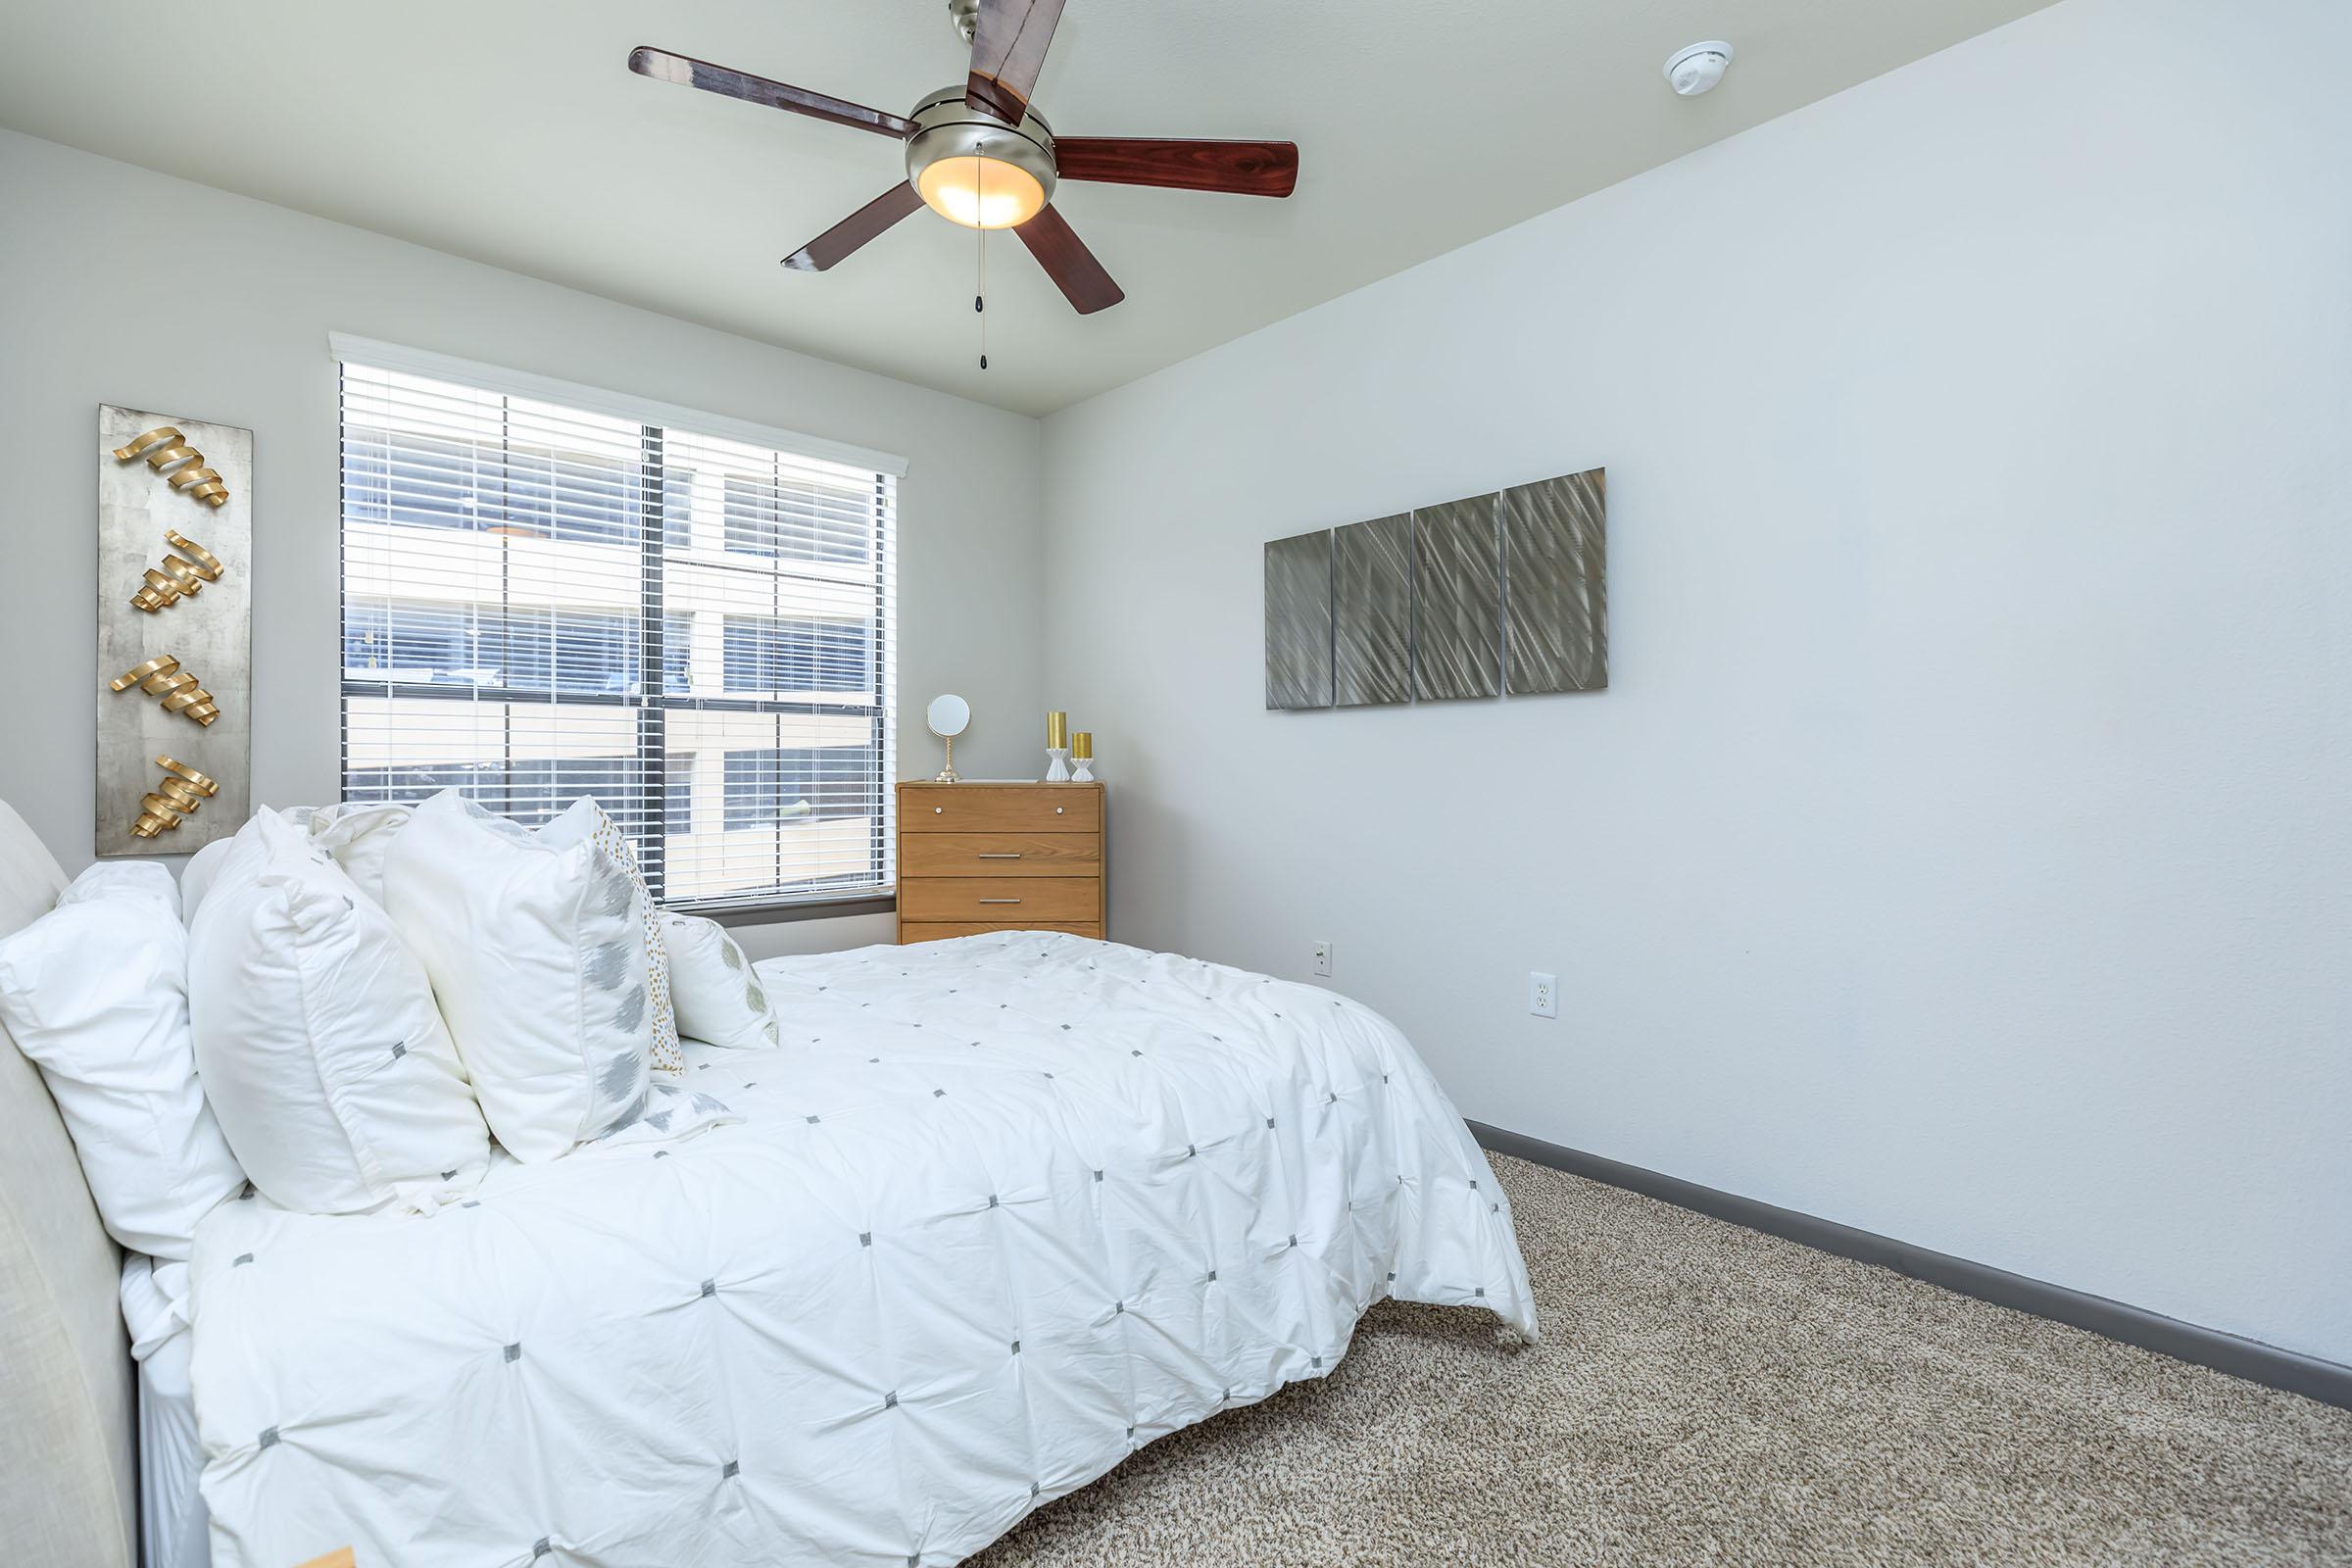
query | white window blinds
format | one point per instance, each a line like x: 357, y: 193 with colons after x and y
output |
x: 544, y: 601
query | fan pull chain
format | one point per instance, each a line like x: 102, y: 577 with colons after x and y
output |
x: 980, y: 299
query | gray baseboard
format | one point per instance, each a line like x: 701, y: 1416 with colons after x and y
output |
x: 2251, y: 1359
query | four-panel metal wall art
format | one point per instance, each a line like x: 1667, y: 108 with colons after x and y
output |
x: 174, y: 631
x: 1505, y: 592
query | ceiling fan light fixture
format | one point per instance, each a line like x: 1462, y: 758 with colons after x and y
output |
x: 979, y: 153
x: 981, y: 192
x: 975, y: 169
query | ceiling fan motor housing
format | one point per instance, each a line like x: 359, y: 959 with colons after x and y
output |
x: 945, y: 127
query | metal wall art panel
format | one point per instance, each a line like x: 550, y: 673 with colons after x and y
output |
x: 1555, y: 584
x: 1372, y: 612
x: 1299, y: 620
x: 1457, y: 599
x: 175, y: 676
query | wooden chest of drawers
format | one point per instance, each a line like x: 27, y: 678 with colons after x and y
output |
x: 977, y: 857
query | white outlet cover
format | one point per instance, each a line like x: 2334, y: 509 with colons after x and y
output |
x: 1323, y: 958
x: 1543, y: 994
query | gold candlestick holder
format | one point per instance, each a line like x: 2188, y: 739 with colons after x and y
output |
x: 1058, y: 747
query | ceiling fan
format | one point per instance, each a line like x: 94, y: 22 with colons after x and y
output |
x: 980, y: 155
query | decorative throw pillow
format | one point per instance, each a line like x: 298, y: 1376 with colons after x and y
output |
x: 95, y: 992
x: 538, y: 959
x: 583, y: 818
x: 319, y: 1045
x: 673, y: 1113
x: 720, y: 999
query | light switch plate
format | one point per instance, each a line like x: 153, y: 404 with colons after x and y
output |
x: 1323, y: 958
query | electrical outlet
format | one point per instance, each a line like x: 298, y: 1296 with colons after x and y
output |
x: 1323, y: 958
x: 1543, y: 994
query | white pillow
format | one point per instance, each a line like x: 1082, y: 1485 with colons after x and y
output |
x: 539, y: 961
x: 585, y: 821
x: 196, y: 878
x: 719, y: 998
x: 208, y: 865
x: 131, y: 879
x: 318, y: 1041
x: 359, y: 834
x: 95, y: 992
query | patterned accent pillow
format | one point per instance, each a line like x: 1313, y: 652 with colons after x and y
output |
x: 719, y: 997
x: 537, y: 956
x: 584, y: 819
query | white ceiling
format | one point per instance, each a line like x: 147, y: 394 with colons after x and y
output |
x: 512, y: 132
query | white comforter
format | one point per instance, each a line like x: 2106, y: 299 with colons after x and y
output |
x: 1001, y: 1210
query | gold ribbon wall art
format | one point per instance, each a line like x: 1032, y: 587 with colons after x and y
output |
x: 180, y: 702
x: 178, y: 796
x: 178, y: 688
x: 182, y: 575
x: 181, y: 466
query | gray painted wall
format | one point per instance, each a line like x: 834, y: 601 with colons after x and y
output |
x: 1962, y: 851
x: 122, y: 286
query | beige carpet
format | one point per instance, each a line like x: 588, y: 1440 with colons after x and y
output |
x: 1707, y: 1395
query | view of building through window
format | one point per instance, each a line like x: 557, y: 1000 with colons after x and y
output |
x: 542, y: 603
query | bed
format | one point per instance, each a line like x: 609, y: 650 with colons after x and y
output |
x: 69, y: 1487
x: 1002, y: 1210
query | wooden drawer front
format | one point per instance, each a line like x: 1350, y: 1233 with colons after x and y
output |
x: 936, y: 930
x: 982, y: 808
x: 1001, y: 901
x: 1001, y: 855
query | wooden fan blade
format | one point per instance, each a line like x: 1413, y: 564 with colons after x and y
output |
x: 663, y: 65
x: 1069, y: 264
x: 855, y: 229
x: 1009, y: 50
x: 1245, y: 168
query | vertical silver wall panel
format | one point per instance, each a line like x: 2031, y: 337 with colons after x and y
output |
x: 1299, y: 620
x: 1555, y: 594
x: 209, y: 633
x: 1457, y: 599
x: 1372, y: 610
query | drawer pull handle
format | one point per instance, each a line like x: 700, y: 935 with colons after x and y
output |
x: 999, y: 900
x: 939, y: 810
x: 998, y: 854
x: 1057, y: 810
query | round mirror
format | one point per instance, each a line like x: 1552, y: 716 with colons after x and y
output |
x: 949, y: 717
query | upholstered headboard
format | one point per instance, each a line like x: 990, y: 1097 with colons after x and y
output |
x: 69, y: 1478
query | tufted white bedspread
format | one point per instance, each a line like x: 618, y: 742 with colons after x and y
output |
x: 1000, y: 1211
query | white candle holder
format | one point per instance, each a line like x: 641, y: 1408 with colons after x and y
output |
x: 1082, y: 771
x: 1058, y: 771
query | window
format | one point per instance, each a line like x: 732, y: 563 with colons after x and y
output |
x: 761, y: 653
x: 677, y: 796
x: 787, y: 786
x: 764, y: 517
x: 549, y: 592
x: 539, y: 650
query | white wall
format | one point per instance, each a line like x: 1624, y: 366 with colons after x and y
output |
x: 1963, y: 849
x: 125, y: 286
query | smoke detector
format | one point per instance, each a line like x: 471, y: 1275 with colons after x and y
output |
x: 1697, y: 69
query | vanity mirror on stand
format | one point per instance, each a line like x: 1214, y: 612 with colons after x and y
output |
x: 947, y: 716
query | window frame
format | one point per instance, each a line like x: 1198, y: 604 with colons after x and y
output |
x: 652, y: 699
